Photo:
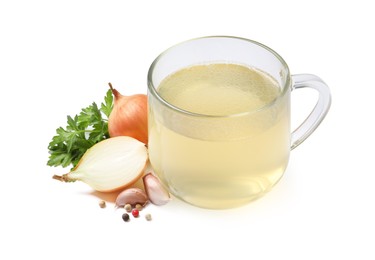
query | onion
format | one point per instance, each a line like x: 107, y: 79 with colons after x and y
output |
x: 128, y: 116
x: 110, y: 165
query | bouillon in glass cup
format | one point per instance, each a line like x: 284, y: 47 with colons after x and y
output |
x: 219, y: 119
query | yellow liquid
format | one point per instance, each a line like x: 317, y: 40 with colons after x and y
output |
x: 217, y: 160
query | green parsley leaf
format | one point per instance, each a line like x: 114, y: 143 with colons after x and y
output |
x: 84, y: 130
x: 107, y: 106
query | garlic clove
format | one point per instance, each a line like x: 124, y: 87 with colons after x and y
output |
x: 155, y: 190
x: 131, y: 196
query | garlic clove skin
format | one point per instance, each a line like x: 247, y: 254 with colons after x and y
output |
x: 156, y: 193
x: 131, y: 196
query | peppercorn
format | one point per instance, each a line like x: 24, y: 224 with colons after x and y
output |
x: 102, y: 204
x: 148, y: 217
x: 135, y: 213
x: 125, y: 217
x: 139, y: 207
x: 128, y: 208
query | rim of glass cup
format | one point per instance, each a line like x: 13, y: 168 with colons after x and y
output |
x: 155, y: 93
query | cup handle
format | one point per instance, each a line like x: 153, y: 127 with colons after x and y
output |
x: 318, y: 113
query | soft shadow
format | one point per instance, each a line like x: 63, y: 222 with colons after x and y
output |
x: 106, y: 196
x: 111, y: 196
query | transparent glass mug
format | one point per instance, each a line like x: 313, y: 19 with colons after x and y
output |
x: 225, y: 161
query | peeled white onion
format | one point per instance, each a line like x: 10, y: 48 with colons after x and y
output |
x: 109, y: 165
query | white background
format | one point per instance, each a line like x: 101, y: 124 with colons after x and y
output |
x: 57, y: 57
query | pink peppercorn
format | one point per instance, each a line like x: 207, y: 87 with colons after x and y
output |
x: 135, y: 213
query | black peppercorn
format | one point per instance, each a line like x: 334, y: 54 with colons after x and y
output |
x: 125, y: 217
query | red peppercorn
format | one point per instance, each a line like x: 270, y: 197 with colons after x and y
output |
x: 135, y: 213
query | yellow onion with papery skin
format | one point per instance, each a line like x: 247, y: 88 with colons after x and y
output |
x: 128, y: 116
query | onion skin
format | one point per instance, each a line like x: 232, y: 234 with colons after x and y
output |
x: 129, y: 116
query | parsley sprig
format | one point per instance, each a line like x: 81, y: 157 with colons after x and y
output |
x: 82, y: 132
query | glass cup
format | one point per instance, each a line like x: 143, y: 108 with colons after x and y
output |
x: 225, y: 161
